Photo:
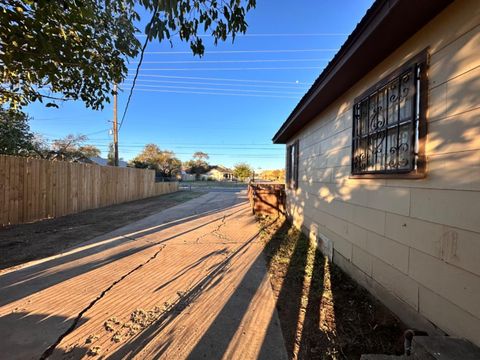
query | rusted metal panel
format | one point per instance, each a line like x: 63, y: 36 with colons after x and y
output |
x: 266, y: 198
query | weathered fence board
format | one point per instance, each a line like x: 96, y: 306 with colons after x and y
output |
x: 33, y: 189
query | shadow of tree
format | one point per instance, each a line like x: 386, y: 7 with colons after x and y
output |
x: 24, y: 282
x: 210, y: 280
x: 280, y: 251
x: 17, y: 343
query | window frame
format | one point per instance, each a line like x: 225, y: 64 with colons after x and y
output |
x: 419, y: 61
x: 292, y: 164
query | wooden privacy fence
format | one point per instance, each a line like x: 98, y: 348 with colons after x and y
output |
x: 33, y: 189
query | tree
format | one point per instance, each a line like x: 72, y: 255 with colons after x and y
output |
x: 67, y: 148
x: 15, y: 135
x: 200, y: 155
x: 198, y: 165
x: 70, y: 148
x: 273, y: 175
x: 242, y: 171
x: 79, y: 50
x: 111, y: 155
x: 89, y: 151
x: 163, y: 162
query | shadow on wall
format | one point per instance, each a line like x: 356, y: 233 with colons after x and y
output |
x: 453, y: 131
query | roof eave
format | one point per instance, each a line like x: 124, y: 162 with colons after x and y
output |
x: 364, y: 49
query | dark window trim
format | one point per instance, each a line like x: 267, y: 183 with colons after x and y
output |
x: 296, y: 163
x: 289, y: 166
x: 421, y: 60
x: 292, y: 166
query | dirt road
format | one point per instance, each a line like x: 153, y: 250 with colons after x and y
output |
x: 186, y: 283
x: 26, y: 242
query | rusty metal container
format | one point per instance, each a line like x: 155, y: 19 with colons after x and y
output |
x: 267, y: 198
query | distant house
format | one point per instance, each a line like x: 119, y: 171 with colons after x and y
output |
x: 218, y: 173
x: 186, y: 176
x: 97, y: 160
x: 383, y: 161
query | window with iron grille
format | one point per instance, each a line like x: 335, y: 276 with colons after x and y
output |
x: 389, y: 124
x: 292, y: 165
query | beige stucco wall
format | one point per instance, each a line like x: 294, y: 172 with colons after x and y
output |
x: 413, y: 243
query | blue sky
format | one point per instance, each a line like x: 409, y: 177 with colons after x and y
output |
x: 229, y: 103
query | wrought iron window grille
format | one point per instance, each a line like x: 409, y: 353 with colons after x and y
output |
x: 389, y: 124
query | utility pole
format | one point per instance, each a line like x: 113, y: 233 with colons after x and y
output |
x: 115, y: 125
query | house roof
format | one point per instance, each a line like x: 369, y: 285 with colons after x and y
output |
x: 220, y: 168
x: 384, y: 27
x: 104, y: 162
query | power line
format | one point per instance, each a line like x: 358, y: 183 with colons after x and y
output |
x: 137, y: 70
x: 234, y: 69
x: 265, y: 51
x: 249, y: 155
x: 287, y: 34
x: 196, y: 147
x: 200, y: 144
x: 97, y: 132
x: 223, y: 79
x: 290, y: 87
x: 229, y: 61
x: 269, y: 35
x: 212, y: 93
x: 218, y: 89
x: 62, y: 118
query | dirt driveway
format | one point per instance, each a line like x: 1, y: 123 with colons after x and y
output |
x: 188, y: 282
x: 37, y: 240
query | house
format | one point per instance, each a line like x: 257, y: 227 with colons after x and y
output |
x: 184, y: 176
x: 97, y: 160
x: 218, y: 173
x: 104, y: 162
x: 383, y: 161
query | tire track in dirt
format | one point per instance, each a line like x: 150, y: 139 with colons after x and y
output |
x: 151, y: 320
x: 46, y: 354
x: 185, y: 298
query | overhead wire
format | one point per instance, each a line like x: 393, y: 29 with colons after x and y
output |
x: 228, y: 61
x: 156, y: 81
x: 259, y: 51
x: 234, y: 69
x: 270, y: 35
x: 217, y: 89
x: 137, y: 70
x: 222, y: 79
x: 195, y: 147
x: 213, y: 93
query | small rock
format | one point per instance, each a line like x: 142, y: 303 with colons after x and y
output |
x: 91, y: 339
x: 94, y: 351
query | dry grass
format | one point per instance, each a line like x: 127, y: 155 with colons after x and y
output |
x: 324, y: 314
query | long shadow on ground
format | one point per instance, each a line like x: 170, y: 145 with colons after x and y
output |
x: 24, y: 282
x: 324, y: 314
